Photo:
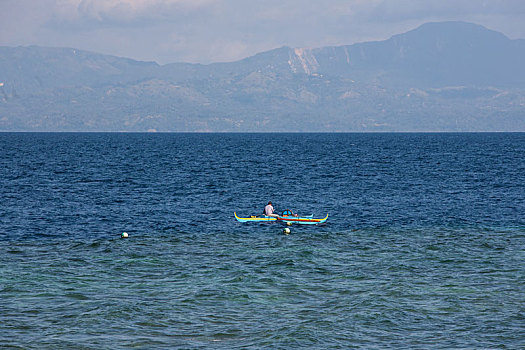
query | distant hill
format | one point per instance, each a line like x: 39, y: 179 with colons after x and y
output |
x: 433, y: 55
x: 448, y: 76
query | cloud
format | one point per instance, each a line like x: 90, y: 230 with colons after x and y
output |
x: 118, y: 12
x: 409, y: 10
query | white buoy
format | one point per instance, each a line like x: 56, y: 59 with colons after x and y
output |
x: 124, y: 235
x: 286, y: 231
x: 289, y: 223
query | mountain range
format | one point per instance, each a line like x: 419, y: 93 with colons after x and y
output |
x: 446, y: 76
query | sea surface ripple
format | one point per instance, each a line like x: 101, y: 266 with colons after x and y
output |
x: 424, y: 246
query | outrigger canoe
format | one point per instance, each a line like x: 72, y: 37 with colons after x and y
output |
x: 304, y: 220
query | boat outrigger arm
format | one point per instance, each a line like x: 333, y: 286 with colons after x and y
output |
x: 305, y: 220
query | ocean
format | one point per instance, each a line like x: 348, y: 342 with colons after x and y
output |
x: 424, y: 246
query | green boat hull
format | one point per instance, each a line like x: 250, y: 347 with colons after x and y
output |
x: 303, y: 220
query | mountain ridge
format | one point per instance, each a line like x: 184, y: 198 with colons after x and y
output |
x: 441, y: 76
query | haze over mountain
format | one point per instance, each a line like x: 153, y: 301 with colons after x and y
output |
x: 448, y: 76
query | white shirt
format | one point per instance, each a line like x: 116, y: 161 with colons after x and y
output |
x: 268, y: 210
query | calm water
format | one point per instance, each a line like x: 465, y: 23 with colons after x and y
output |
x: 424, y: 246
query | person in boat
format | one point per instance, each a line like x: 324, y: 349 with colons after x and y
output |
x: 269, y: 210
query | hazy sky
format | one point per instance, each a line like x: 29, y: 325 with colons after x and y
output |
x: 204, y: 31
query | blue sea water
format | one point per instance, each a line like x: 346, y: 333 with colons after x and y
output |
x: 424, y: 246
